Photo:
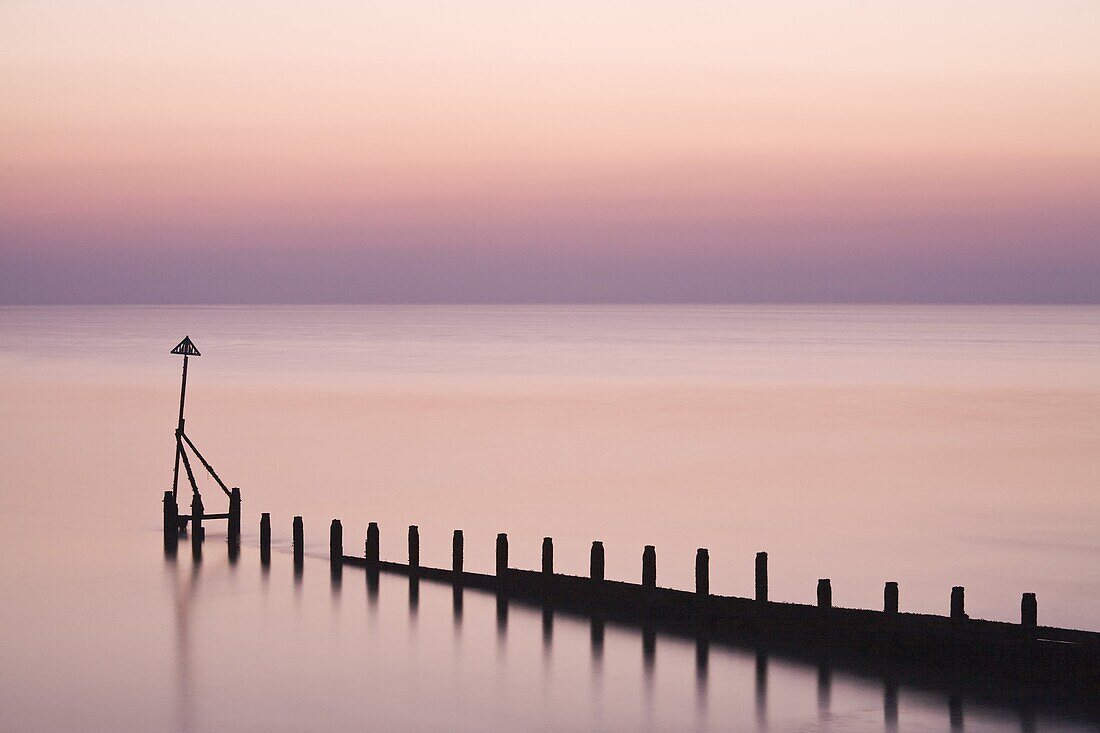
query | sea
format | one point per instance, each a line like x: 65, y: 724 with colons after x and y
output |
x: 933, y: 446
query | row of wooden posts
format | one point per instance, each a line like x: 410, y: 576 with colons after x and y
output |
x: 1028, y: 606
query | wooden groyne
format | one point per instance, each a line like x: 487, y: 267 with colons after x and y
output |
x: 1024, y: 652
x: 1023, y: 664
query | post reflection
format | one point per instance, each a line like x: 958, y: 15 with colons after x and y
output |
x: 596, y: 634
x: 502, y: 621
x: 1027, y: 719
x: 547, y: 630
x: 890, y: 704
x: 372, y: 589
x: 649, y: 652
x: 824, y: 690
x: 184, y: 589
x: 702, y: 664
x: 336, y: 578
x: 955, y: 712
x: 456, y: 606
x: 686, y: 656
x: 414, y: 598
x: 761, y: 690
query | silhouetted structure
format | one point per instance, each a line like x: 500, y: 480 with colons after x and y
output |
x: 890, y: 598
x: 414, y: 549
x: 547, y: 556
x: 762, y: 576
x: 336, y: 542
x: 702, y: 572
x: 1055, y: 664
x: 174, y: 522
x: 297, y: 538
x: 1043, y: 657
x: 596, y: 562
x: 649, y: 566
x: 265, y: 538
x: 456, y: 553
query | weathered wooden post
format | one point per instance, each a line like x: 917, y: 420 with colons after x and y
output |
x: 196, y: 524
x: 456, y: 554
x: 414, y: 549
x: 265, y: 537
x: 824, y: 593
x: 171, y: 515
x: 502, y: 555
x: 233, y: 530
x: 595, y: 566
x: 762, y: 576
x: 372, y: 545
x: 702, y: 572
x: 336, y: 542
x: 1029, y: 613
x: 958, y: 612
x: 171, y: 525
x: 547, y: 556
x: 649, y: 567
x: 297, y: 538
x: 890, y: 598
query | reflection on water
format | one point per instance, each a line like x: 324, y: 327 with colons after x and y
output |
x: 659, y: 700
x: 860, y: 444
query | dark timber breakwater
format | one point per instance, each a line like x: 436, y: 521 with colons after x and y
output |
x: 1023, y: 664
x: 1056, y: 666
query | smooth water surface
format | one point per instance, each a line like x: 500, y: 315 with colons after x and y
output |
x: 933, y: 446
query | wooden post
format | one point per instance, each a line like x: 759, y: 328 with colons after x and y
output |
x: 958, y: 611
x: 890, y: 598
x: 547, y: 556
x: 196, y: 523
x: 456, y: 554
x: 762, y: 576
x: 297, y: 538
x: 265, y: 537
x: 372, y: 545
x: 171, y: 515
x: 1029, y: 612
x: 414, y: 549
x: 336, y: 542
x: 502, y: 555
x: 649, y: 567
x: 596, y: 561
x: 233, y: 530
x: 702, y: 572
x: 824, y: 593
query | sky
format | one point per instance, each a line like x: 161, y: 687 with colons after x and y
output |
x: 691, y: 151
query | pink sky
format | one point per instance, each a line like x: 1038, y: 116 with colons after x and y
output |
x: 593, y: 151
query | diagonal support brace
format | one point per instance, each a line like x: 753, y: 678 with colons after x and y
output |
x: 205, y: 464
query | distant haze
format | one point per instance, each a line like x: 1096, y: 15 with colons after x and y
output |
x: 568, y: 152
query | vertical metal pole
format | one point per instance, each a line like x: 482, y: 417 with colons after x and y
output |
x: 179, y: 429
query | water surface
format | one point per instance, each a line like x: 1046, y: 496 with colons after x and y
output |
x: 933, y: 446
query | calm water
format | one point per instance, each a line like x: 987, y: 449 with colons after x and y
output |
x: 931, y: 446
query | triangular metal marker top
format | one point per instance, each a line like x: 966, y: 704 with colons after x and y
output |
x: 186, y: 348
